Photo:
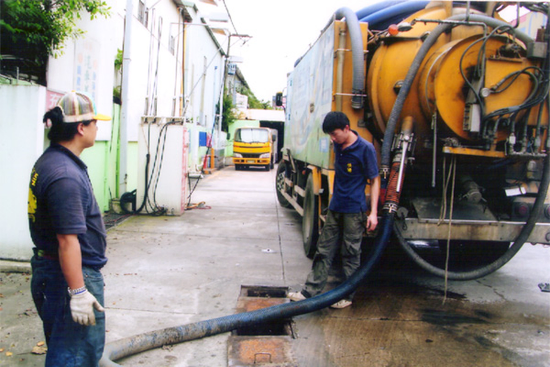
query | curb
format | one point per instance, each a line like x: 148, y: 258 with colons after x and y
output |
x: 7, y: 266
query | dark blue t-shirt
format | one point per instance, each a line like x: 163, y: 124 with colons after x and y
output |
x: 61, y: 201
x: 353, y: 167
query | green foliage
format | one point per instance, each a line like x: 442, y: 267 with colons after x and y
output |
x: 117, y: 92
x: 253, y: 102
x: 228, y: 114
x: 119, y: 60
x: 32, y: 30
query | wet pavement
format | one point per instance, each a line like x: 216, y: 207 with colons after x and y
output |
x: 169, y: 271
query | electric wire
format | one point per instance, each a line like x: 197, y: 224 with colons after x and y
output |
x: 533, y: 99
x: 155, y: 174
x: 479, y: 69
x: 544, y: 86
x: 229, y: 15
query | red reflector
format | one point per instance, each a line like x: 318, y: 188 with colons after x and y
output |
x: 522, y: 210
x: 393, y: 30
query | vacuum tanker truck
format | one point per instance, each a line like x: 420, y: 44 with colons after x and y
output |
x: 455, y: 99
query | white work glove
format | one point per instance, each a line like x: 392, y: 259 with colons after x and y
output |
x: 82, y: 308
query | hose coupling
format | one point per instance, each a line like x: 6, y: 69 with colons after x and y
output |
x: 358, y: 100
x: 390, y: 207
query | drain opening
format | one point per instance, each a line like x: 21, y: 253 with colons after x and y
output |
x: 257, y: 297
x: 261, y: 344
x: 262, y: 329
x: 263, y: 291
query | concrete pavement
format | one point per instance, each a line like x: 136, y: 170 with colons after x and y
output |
x: 168, y: 271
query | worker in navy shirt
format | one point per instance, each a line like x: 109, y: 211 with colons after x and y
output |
x: 69, y: 235
x: 347, y: 219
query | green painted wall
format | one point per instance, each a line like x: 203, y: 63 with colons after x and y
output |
x: 103, y: 167
x: 96, y: 158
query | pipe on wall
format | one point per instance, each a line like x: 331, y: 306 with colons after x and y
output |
x: 358, y: 88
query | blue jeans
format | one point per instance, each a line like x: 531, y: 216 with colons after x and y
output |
x: 69, y: 343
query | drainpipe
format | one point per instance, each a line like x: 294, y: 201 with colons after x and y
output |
x: 340, y: 69
x: 183, y: 103
x: 123, y: 156
x: 358, y: 57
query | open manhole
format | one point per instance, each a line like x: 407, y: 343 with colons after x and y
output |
x: 261, y: 344
x: 254, y: 298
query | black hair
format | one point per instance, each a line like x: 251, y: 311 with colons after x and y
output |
x: 335, y: 120
x: 61, y: 131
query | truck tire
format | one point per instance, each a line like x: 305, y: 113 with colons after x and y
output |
x: 280, y: 185
x: 310, y: 220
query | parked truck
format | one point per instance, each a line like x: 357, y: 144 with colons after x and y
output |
x: 455, y: 100
x: 254, y: 147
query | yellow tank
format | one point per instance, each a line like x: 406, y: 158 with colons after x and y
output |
x: 440, y: 91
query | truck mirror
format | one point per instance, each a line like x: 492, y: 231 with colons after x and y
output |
x: 279, y: 99
x: 228, y: 136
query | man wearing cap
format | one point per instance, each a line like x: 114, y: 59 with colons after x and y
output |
x: 67, y: 229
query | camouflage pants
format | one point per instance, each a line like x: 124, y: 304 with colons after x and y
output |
x: 342, y: 232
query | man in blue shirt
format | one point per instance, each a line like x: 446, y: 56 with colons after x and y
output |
x: 67, y: 230
x: 355, y: 164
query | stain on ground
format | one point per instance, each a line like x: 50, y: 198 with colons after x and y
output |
x: 396, y: 322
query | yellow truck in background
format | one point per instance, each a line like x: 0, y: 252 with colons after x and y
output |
x: 254, y: 146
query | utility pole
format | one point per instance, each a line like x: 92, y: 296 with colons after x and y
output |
x: 228, y: 55
x: 123, y: 155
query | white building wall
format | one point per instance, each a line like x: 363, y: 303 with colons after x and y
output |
x: 22, y: 138
x: 204, y: 68
x: 87, y: 64
x: 154, y: 69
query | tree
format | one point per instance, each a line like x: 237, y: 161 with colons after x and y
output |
x: 31, y: 30
x: 228, y: 112
x: 253, y: 102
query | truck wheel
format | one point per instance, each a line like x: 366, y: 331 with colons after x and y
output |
x: 280, y: 185
x: 272, y: 164
x: 310, y: 220
x: 268, y: 167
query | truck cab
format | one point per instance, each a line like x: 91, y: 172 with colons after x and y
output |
x: 254, y: 146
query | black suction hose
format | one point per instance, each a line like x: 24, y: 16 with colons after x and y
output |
x: 155, y: 339
x: 388, y: 138
x: 508, y: 255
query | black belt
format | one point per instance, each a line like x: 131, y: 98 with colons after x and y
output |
x: 47, y: 255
